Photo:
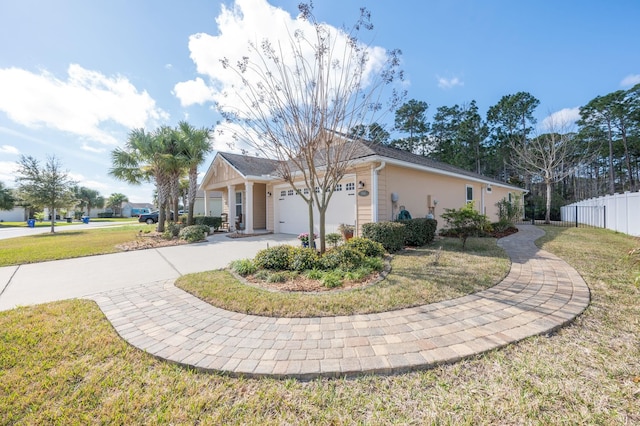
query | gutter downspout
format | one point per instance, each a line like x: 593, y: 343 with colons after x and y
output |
x: 374, y: 198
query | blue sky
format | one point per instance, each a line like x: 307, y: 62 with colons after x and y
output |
x: 76, y: 76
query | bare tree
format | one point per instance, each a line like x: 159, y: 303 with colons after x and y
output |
x: 296, y: 97
x: 547, y: 158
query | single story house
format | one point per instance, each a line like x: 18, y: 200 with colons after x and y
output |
x: 17, y: 214
x: 130, y: 209
x: 380, y: 183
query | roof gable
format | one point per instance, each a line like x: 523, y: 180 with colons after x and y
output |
x: 250, y: 166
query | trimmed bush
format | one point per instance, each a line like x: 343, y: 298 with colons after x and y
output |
x: 303, y: 259
x: 192, y: 233
x: 342, y: 258
x: 419, y: 231
x: 277, y: 258
x: 332, y: 280
x: 244, y: 267
x: 366, y: 246
x: 389, y: 234
x: 212, y: 221
x: 105, y: 214
x: 333, y: 239
x: 466, y: 222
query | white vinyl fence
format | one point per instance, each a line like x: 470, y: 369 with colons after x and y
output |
x: 618, y: 212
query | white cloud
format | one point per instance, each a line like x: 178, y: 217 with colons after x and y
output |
x: 448, y: 83
x: 561, y: 120
x: 8, y: 171
x: 249, y: 21
x: 630, y: 80
x: 83, y: 104
x: 193, y: 92
x: 8, y: 149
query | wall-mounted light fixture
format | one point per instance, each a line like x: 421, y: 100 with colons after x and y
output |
x: 268, y: 194
x: 361, y: 184
x: 435, y: 202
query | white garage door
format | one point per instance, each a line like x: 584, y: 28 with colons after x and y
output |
x: 291, y: 212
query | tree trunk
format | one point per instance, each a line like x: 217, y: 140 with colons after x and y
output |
x: 310, y: 205
x: 193, y: 187
x: 612, y: 186
x: 53, y: 219
x: 322, y: 215
x: 547, y: 215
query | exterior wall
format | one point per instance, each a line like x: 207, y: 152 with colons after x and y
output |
x: 17, y: 214
x: 418, y: 190
x: 270, y: 213
x: 364, y: 210
x: 259, y: 206
x: 215, y: 207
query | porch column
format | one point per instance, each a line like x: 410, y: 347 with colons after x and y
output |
x: 248, y: 208
x: 231, y: 202
x: 206, y: 203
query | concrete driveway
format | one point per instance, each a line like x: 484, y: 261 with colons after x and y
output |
x: 76, y: 278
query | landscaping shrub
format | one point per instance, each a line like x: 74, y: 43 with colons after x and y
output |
x: 192, y: 233
x: 332, y: 280
x: 333, y: 239
x: 366, y: 246
x: 419, y: 231
x: 213, y: 221
x: 465, y: 222
x: 373, y: 263
x: 182, y: 218
x: 278, y: 277
x: 244, y: 267
x: 276, y: 258
x: 389, y: 234
x: 314, y: 274
x: 342, y: 257
x: 303, y: 259
x: 105, y: 214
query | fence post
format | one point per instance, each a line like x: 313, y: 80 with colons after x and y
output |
x: 604, y: 216
x: 576, y: 216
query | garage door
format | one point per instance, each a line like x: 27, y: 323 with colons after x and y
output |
x: 291, y: 212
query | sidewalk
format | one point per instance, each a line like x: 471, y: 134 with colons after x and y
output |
x: 540, y: 294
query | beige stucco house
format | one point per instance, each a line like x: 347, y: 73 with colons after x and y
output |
x: 381, y: 181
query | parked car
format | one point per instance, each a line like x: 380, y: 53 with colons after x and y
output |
x: 151, y: 218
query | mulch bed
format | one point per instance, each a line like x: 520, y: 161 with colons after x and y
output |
x: 149, y: 240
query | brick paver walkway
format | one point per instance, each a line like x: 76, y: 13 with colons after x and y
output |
x: 541, y: 293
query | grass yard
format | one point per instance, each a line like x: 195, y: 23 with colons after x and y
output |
x: 67, y: 244
x: 47, y: 224
x: 420, y: 276
x: 62, y: 363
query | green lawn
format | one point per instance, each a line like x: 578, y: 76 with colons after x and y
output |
x: 66, y: 244
x: 62, y: 363
x: 420, y: 276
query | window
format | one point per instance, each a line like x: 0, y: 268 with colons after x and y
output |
x: 238, y: 204
x: 338, y: 187
x: 306, y: 191
x: 290, y: 192
x: 317, y: 189
x: 469, y: 194
x: 283, y: 193
x: 350, y: 186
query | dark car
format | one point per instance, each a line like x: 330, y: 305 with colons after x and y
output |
x: 151, y: 218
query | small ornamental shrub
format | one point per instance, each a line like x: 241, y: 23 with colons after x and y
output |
x: 173, y: 229
x: 303, y: 259
x: 332, y: 280
x: 212, y: 221
x: 466, y: 222
x: 389, y: 234
x: 510, y: 211
x: 278, y: 277
x: 277, y: 258
x: 366, y: 246
x: 314, y: 274
x: 374, y: 263
x: 333, y: 239
x: 419, y: 231
x: 244, y: 267
x: 193, y: 233
x: 343, y: 258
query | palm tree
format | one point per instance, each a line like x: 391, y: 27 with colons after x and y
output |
x: 144, y: 159
x: 115, y: 202
x: 88, y: 198
x: 195, y: 147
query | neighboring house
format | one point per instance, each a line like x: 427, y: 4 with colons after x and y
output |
x: 136, y: 209
x: 17, y: 214
x: 381, y: 181
x: 213, y: 203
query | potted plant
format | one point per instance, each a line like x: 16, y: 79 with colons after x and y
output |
x: 346, y: 230
x: 304, y: 238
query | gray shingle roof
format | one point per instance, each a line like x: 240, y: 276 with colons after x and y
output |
x: 250, y: 166
x: 256, y: 166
